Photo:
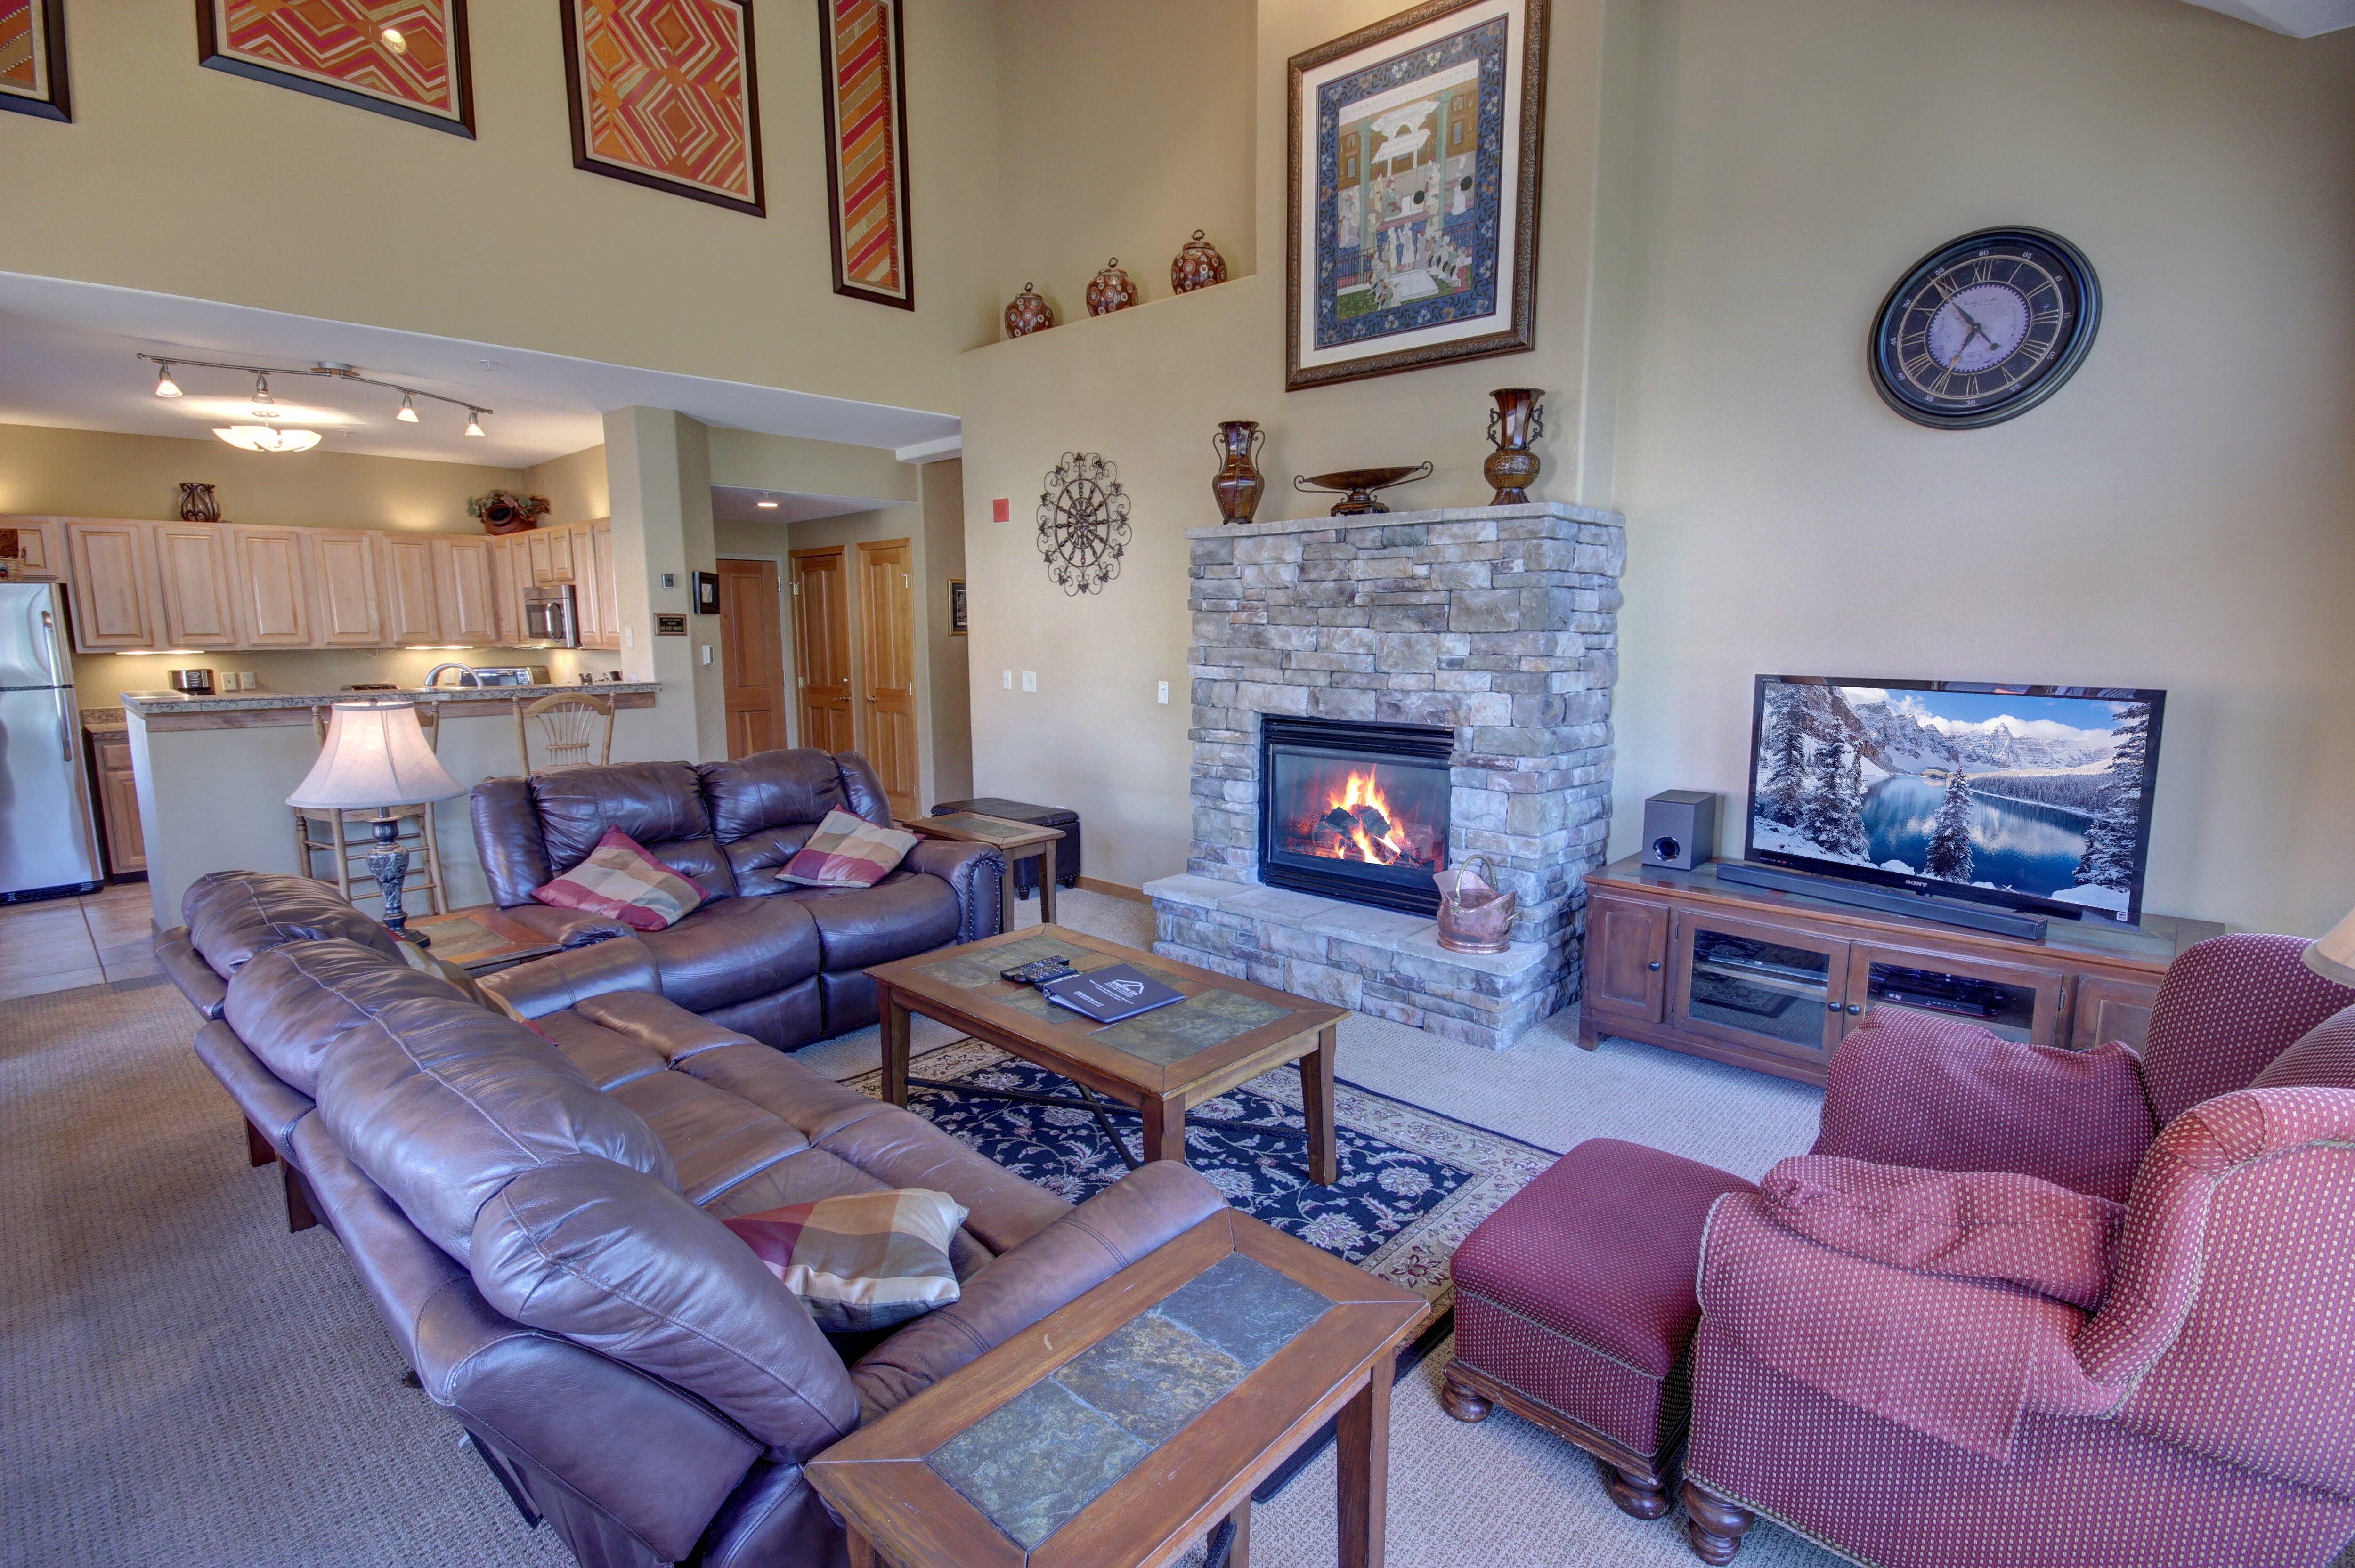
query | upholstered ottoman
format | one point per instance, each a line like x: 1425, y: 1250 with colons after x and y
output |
x: 1575, y: 1304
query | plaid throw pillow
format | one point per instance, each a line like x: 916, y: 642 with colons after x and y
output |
x: 867, y: 1261
x: 847, y: 851
x: 621, y: 880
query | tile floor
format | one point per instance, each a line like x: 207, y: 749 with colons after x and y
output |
x: 57, y: 944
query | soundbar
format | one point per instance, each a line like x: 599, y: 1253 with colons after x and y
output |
x: 1948, y: 911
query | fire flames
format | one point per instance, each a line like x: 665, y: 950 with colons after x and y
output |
x: 1358, y: 823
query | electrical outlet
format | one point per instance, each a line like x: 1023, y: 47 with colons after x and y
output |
x: 1006, y: 679
x: 1029, y: 680
x: 1165, y: 693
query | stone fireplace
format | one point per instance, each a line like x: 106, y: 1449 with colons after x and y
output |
x: 1340, y: 666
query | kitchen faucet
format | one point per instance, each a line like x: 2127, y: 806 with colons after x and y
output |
x: 466, y: 676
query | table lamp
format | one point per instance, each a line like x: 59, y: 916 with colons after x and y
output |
x: 2333, y: 957
x: 376, y: 756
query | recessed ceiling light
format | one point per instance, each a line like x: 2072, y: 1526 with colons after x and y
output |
x: 394, y: 41
x: 165, y: 385
x: 267, y: 439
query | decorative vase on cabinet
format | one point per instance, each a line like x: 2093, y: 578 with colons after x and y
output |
x: 1239, y: 484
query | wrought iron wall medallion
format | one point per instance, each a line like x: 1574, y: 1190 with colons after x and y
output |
x: 1082, y: 522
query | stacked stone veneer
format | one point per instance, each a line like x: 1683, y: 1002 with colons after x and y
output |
x: 1498, y: 622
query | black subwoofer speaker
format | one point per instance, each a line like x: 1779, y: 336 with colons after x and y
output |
x: 1679, y: 829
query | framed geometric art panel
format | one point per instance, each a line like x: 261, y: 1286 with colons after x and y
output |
x: 33, y: 58
x: 407, y: 59
x: 864, y: 93
x: 664, y: 94
x: 1413, y: 203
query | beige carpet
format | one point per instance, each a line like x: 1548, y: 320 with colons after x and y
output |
x: 181, y: 1384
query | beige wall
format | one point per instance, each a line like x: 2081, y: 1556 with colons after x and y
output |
x: 1122, y: 128
x: 2176, y: 517
x: 187, y: 181
x: 573, y: 486
x: 949, y: 743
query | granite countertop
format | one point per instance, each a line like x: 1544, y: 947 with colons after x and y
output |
x: 100, y: 721
x: 148, y: 704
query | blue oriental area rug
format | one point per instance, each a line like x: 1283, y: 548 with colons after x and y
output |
x: 1413, y: 1183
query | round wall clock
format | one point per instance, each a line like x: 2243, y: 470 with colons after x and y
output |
x: 1985, y: 328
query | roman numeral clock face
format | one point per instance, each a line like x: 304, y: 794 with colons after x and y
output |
x: 1986, y: 328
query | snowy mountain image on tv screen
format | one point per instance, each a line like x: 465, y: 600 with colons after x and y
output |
x: 2027, y: 794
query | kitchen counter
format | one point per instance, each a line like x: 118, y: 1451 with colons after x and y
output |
x: 241, y: 710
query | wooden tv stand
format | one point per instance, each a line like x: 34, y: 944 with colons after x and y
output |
x: 1775, y: 981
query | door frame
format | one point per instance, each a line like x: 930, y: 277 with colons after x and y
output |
x: 785, y: 632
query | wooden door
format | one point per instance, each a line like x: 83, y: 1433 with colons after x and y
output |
x: 462, y: 592
x: 2019, y: 1002
x: 2109, y: 1008
x: 1756, y: 987
x: 822, y: 649
x: 751, y: 657
x: 597, y: 539
x: 272, y: 588
x: 1626, y: 959
x: 506, y: 597
x: 408, y: 579
x: 887, y: 666
x: 345, y: 610
x: 114, y: 587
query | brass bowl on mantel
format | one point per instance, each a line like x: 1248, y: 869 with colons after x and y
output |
x: 1356, y: 486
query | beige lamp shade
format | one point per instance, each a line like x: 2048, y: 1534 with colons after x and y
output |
x: 2333, y: 957
x: 375, y: 756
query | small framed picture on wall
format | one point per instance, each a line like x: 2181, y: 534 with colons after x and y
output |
x: 706, y: 593
x: 957, y: 607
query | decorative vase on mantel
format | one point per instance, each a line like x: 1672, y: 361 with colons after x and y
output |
x: 1027, y: 314
x: 1110, y: 289
x: 1518, y: 420
x: 197, y: 502
x: 1198, y: 266
x: 1239, y: 484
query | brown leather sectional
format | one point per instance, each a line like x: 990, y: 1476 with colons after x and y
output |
x: 780, y: 963
x: 536, y: 1215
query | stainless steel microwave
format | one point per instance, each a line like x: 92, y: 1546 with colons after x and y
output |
x: 550, y: 617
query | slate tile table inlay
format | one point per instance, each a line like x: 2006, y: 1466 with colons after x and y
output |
x: 1160, y: 1064
x: 1015, y: 840
x: 1116, y: 1431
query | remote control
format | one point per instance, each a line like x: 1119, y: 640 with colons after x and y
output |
x: 1038, y: 974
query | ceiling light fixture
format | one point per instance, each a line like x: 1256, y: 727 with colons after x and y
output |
x: 333, y: 369
x: 267, y: 439
x: 768, y: 504
x: 395, y: 40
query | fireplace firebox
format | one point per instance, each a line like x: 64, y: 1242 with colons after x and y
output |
x: 1355, y: 811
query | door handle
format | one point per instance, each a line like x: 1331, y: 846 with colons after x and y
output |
x: 1656, y: 966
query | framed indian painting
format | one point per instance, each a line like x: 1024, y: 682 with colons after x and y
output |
x: 1414, y: 154
x: 33, y: 58
x: 867, y: 149
x: 663, y: 94
x: 407, y: 59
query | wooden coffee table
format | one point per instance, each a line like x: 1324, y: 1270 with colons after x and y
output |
x: 1119, y: 1430
x: 1159, y: 1064
x: 1016, y: 841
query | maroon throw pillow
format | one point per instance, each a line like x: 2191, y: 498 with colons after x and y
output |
x: 1972, y: 1225
x: 622, y: 882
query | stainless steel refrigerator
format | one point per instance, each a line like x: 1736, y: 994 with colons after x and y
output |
x: 46, y: 837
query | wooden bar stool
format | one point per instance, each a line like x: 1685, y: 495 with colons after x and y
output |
x: 571, y: 724
x: 347, y: 839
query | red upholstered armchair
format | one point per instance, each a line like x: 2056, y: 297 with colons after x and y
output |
x: 2122, y: 1332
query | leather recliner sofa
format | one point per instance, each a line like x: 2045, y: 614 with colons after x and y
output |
x: 535, y: 1217
x: 776, y: 961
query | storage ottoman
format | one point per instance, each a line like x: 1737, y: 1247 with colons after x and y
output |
x: 1026, y: 871
x: 1574, y: 1305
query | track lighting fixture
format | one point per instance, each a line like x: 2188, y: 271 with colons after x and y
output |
x: 408, y: 415
x: 299, y: 440
x: 262, y: 388
x: 474, y: 421
x: 165, y: 385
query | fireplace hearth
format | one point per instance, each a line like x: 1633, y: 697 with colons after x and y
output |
x: 1356, y: 811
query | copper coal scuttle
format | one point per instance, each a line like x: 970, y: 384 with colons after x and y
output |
x: 1473, y: 915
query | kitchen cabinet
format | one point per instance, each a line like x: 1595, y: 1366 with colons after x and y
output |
x: 193, y: 570
x: 510, y: 574
x: 1776, y: 981
x: 461, y: 591
x: 42, y: 542
x: 114, y: 586
x: 595, y: 542
x: 118, y: 802
x: 406, y: 577
x: 271, y: 586
x: 551, y: 551
x: 347, y: 611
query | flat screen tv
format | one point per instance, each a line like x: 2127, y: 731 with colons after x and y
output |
x: 2035, y: 798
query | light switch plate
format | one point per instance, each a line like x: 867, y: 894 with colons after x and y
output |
x: 1006, y: 679
x: 1165, y: 693
x: 1029, y: 680
x: 705, y: 651
x: 670, y: 580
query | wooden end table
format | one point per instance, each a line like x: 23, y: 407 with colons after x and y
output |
x: 1160, y: 1064
x: 481, y: 940
x: 1016, y: 841
x: 1119, y: 1430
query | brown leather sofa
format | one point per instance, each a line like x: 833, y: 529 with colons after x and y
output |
x: 780, y: 963
x: 536, y: 1218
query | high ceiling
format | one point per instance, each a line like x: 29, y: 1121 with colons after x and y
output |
x: 70, y: 360
x: 2298, y: 19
